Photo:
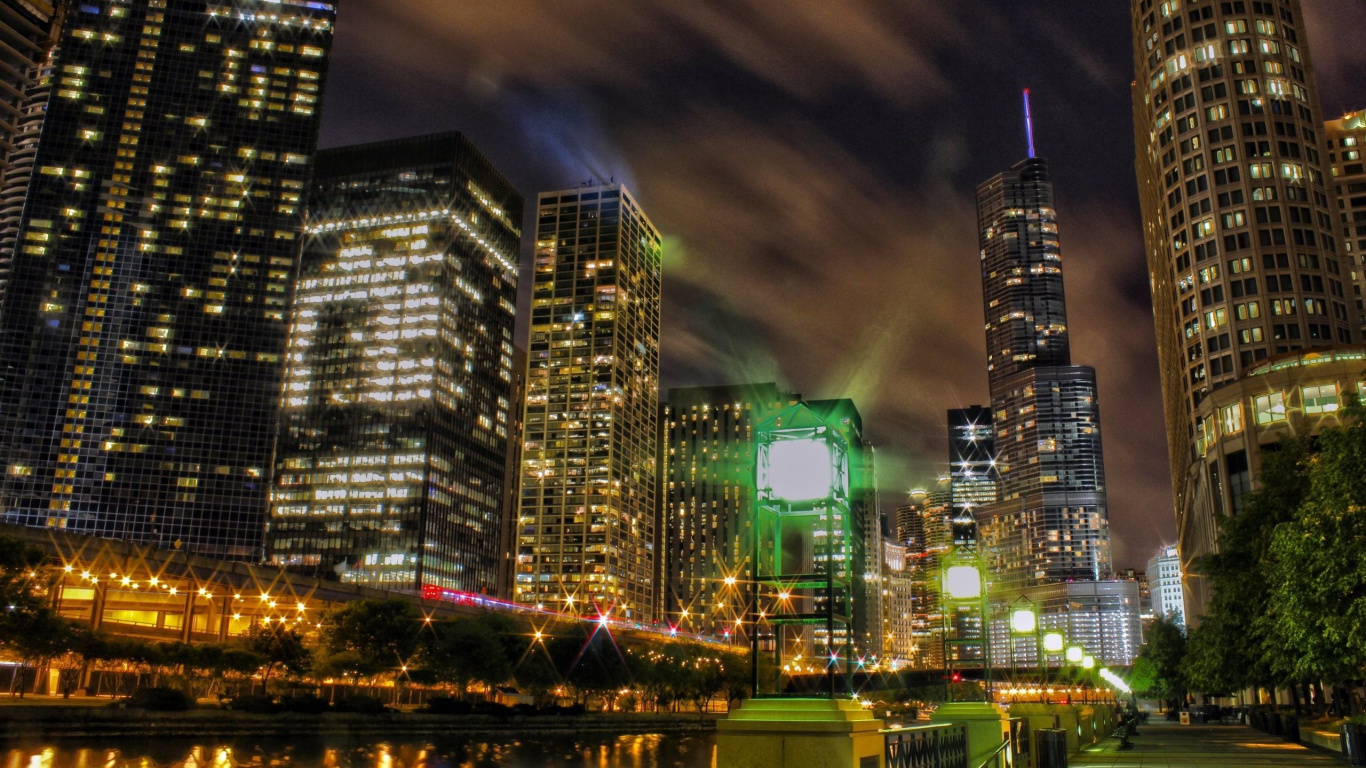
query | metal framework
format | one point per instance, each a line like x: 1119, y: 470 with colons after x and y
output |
x: 801, y: 538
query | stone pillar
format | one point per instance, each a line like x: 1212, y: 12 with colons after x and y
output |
x: 988, y: 725
x: 800, y: 733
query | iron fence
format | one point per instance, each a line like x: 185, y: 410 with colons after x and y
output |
x: 942, y: 745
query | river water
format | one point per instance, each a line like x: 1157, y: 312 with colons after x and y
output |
x: 583, y: 750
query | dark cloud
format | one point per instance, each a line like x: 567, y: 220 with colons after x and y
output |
x: 812, y: 164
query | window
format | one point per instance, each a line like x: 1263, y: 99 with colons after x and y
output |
x: 1231, y: 419
x: 1269, y: 408
x: 1320, y: 399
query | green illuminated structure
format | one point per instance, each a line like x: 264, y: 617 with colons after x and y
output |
x: 803, y: 539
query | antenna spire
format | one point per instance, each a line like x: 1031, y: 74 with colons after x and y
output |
x: 1029, y: 124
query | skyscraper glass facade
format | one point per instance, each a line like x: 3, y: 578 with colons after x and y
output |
x: 972, y: 458
x: 145, y: 324
x: 1243, y: 256
x: 398, y: 394
x: 586, y: 525
x: 1050, y: 522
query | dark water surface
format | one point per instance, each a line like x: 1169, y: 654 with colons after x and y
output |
x: 497, y: 750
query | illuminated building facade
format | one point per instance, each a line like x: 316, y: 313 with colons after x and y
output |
x: 1102, y: 617
x: 1243, y: 255
x: 28, y: 30
x: 972, y: 458
x: 146, y: 318
x: 1165, y: 591
x: 707, y: 461
x: 910, y: 523
x: 1049, y: 522
x: 1346, y: 141
x: 393, y: 443
x: 586, y: 526
x: 902, y: 634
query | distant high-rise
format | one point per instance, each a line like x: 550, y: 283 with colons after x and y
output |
x: 1243, y: 254
x: 910, y: 523
x: 1346, y: 141
x: 972, y: 458
x: 1049, y: 523
x: 145, y: 324
x: 586, y: 526
x: 707, y: 458
x: 393, y: 444
x: 1164, y: 585
x: 28, y: 31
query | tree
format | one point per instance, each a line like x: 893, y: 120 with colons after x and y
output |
x: 1317, y: 563
x: 463, y: 651
x: 277, y: 647
x: 370, y: 637
x: 536, y: 674
x: 1229, y: 650
x: 601, y: 670
x: 1161, y: 663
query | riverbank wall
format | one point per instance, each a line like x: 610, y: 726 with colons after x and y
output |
x: 18, y: 723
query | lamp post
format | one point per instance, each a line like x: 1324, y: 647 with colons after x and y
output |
x: 1023, y: 621
x: 962, y: 587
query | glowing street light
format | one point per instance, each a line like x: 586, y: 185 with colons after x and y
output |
x: 1052, y: 642
x: 1023, y: 621
x: 963, y: 582
x: 1088, y: 662
x: 1075, y: 654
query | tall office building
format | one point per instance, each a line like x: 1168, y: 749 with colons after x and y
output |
x: 586, y: 526
x: 972, y: 458
x: 910, y: 522
x: 1050, y: 522
x: 1346, y: 141
x: 393, y: 443
x: 707, y: 464
x: 1243, y: 256
x: 145, y: 327
x: 28, y: 31
x: 1164, y: 585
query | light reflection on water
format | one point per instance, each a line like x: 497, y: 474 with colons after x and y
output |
x: 582, y: 750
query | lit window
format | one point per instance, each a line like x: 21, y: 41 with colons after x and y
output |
x: 1320, y: 399
x: 1269, y: 407
x: 1231, y: 418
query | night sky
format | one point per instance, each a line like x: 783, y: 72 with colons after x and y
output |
x: 812, y: 165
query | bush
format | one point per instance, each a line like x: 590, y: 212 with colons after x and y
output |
x: 570, y: 711
x: 255, y: 703
x: 447, y: 705
x: 360, y: 704
x: 161, y: 700
x: 304, y: 702
x: 492, y: 708
x: 526, y: 710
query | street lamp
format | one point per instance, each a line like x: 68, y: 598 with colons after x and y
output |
x: 1052, y: 642
x: 1075, y: 654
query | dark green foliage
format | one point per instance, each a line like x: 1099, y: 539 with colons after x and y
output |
x: 1159, y: 671
x: 359, y: 704
x: 157, y: 699
x: 369, y: 637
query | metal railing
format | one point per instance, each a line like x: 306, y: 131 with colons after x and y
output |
x: 942, y: 745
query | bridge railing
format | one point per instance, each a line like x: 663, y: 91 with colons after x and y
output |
x: 939, y: 745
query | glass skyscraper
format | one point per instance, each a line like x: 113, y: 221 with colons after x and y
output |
x: 146, y: 317
x: 390, y: 466
x: 28, y: 31
x: 1244, y: 256
x: 972, y: 458
x: 586, y: 525
x: 1050, y: 522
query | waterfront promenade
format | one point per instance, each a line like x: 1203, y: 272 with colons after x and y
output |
x: 1167, y: 745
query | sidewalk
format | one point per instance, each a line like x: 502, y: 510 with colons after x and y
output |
x: 1166, y: 745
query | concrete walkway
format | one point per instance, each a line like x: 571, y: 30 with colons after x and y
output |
x: 1166, y: 745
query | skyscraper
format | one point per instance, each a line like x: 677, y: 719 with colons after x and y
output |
x: 972, y: 458
x: 1242, y: 253
x: 586, y: 526
x: 145, y: 326
x: 707, y: 462
x: 28, y: 30
x: 1164, y: 585
x: 1346, y: 140
x: 1050, y: 522
x: 393, y: 444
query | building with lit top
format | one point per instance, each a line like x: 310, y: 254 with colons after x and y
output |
x: 1167, y: 595
x: 1244, y: 258
x: 586, y: 528
x: 1346, y: 138
x: 145, y: 323
x: 972, y: 458
x: 707, y: 460
x: 1049, y: 523
x: 28, y: 31
x: 393, y: 442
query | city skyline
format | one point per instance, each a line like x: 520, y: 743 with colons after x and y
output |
x: 886, y: 179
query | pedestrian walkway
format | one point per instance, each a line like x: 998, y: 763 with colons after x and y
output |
x: 1161, y: 744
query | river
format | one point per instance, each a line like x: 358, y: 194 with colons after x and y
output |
x: 584, y: 750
